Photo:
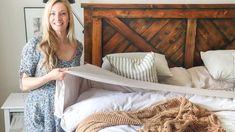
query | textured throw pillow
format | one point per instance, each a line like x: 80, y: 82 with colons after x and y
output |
x: 220, y: 64
x: 138, y: 69
x: 160, y: 61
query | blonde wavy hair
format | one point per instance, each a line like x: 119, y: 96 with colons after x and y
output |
x: 48, y: 45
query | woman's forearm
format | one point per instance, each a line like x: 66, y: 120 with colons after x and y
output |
x: 31, y: 83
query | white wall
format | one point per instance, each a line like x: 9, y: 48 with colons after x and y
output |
x: 12, y: 37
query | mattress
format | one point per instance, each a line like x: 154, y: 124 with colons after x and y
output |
x: 88, y: 89
x: 108, y: 100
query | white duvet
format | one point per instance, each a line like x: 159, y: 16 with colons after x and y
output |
x: 88, y: 89
x: 98, y: 100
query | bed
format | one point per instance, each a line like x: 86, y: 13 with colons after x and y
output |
x: 183, y: 33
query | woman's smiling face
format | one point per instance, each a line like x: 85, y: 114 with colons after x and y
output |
x: 59, y: 18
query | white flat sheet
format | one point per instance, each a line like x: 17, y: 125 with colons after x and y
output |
x: 95, y: 100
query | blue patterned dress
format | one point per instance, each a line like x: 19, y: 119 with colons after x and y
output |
x: 39, y: 109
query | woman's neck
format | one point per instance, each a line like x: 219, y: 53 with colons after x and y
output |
x: 63, y: 39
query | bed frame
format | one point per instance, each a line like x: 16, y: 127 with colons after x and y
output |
x: 180, y: 31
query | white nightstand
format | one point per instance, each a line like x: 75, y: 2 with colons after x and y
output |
x: 14, y: 104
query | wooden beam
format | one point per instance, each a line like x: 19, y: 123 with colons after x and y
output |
x: 96, y: 41
x: 130, y: 34
x: 87, y: 36
x: 190, y: 42
x: 165, y: 13
x: 158, y: 6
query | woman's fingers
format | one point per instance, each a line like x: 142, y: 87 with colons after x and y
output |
x: 62, y: 73
x: 63, y: 69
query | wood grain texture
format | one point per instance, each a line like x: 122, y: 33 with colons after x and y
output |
x: 179, y: 31
x: 190, y: 42
x: 96, y: 41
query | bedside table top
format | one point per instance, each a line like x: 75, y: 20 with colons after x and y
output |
x: 15, y: 101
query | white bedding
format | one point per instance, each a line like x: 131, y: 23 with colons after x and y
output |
x: 98, y: 100
x: 85, y: 90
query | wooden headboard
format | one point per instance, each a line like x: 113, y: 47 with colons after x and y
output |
x: 180, y: 31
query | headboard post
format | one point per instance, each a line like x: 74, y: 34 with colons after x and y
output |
x: 87, y: 35
x: 96, y: 41
x: 190, y: 42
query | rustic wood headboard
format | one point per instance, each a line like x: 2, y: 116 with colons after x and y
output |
x: 180, y: 31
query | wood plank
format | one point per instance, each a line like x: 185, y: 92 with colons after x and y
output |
x: 215, y: 37
x: 153, y: 6
x: 227, y: 27
x: 163, y: 40
x: 113, y: 42
x: 201, y: 44
x: 96, y: 41
x: 231, y: 45
x: 118, y: 44
x: 132, y: 48
x: 154, y: 28
x: 107, y: 31
x: 130, y: 34
x: 87, y: 36
x: 202, y: 38
x: 177, y: 42
x: 140, y: 25
x: 190, y: 42
x: 165, y: 13
x: 121, y: 48
x: 117, y: 40
x: 176, y: 59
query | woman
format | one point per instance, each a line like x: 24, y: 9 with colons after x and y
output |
x: 44, y: 60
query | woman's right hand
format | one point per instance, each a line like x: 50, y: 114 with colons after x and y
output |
x: 57, y: 74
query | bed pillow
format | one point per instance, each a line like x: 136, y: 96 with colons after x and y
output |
x: 220, y: 64
x: 134, y: 68
x: 180, y: 77
x: 160, y: 61
x: 202, y: 79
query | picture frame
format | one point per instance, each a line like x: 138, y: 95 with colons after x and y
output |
x: 33, y: 21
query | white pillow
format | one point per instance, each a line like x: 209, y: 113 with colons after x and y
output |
x: 160, y: 61
x: 202, y: 79
x: 135, y: 68
x: 220, y: 64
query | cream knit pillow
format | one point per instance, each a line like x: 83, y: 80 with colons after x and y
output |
x: 138, y: 69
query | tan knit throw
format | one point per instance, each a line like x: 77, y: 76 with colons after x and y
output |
x: 175, y: 115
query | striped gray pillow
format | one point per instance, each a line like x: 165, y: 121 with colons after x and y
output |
x: 135, y: 68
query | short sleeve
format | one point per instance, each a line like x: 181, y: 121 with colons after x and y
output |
x: 79, y: 52
x: 80, y: 47
x: 29, y: 58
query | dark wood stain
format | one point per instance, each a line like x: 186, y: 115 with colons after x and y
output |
x: 180, y: 31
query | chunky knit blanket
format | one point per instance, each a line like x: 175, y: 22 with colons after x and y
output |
x: 175, y: 115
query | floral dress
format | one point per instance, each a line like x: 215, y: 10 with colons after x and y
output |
x: 39, y: 109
